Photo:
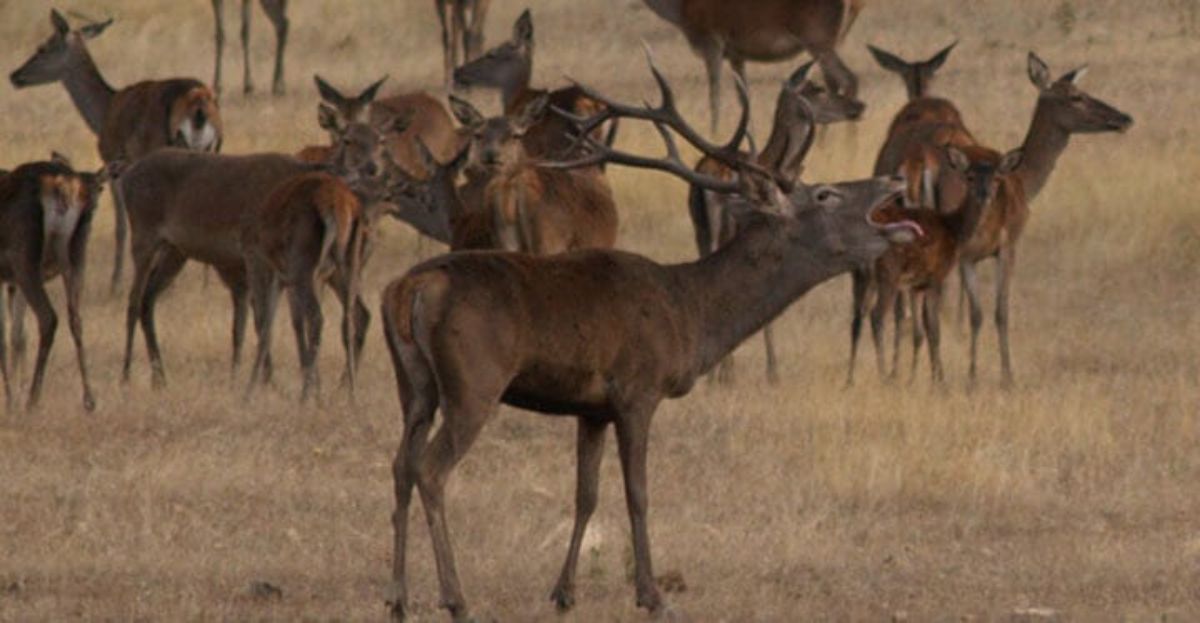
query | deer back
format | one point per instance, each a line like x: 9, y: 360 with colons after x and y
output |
x: 766, y: 29
x: 548, y: 211
x: 431, y: 124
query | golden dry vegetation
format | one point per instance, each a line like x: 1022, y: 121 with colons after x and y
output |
x: 1076, y: 492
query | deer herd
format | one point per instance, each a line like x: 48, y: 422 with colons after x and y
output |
x: 534, y: 307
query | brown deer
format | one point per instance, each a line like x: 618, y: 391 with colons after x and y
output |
x: 1062, y: 109
x: 462, y: 30
x: 276, y: 11
x: 763, y: 30
x: 532, y: 208
x: 334, y: 113
x: 46, y: 210
x: 130, y: 122
x: 509, y: 67
x: 602, y: 335
x: 800, y: 107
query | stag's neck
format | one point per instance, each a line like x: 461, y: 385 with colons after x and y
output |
x: 1044, y: 143
x: 88, y: 89
x: 746, y: 284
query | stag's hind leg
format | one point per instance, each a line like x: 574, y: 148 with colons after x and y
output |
x: 633, y: 431
x: 590, y: 450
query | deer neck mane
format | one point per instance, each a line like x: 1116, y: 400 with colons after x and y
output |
x: 88, y: 89
x: 1044, y: 143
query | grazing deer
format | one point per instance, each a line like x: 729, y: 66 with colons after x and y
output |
x: 603, y: 335
x: 46, y: 211
x: 532, y: 208
x: 130, y: 122
x: 276, y: 11
x: 764, y: 30
x: 509, y: 67
x: 919, y: 268
x: 1062, y: 109
x: 462, y: 30
x: 801, y: 106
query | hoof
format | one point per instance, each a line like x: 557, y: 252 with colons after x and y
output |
x: 563, y: 598
x: 89, y: 403
x: 396, y: 611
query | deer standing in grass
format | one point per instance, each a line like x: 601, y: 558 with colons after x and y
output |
x: 1062, y: 109
x: 603, y: 335
x: 509, y: 68
x: 765, y: 31
x: 462, y: 31
x: 276, y: 11
x: 46, y: 210
x: 800, y: 107
x: 129, y: 122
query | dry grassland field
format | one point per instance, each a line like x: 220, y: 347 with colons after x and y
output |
x: 1074, y: 496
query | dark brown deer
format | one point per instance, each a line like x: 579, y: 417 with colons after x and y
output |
x: 509, y: 68
x: 1062, y: 109
x: 46, y: 210
x: 532, y: 208
x: 462, y: 31
x: 800, y: 107
x: 766, y: 31
x: 602, y: 335
x: 130, y: 122
x: 276, y: 11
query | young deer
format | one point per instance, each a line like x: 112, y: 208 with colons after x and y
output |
x: 130, y: 122
x: 509, y: 68
x: 276, y: 11
x: 765, y: 30
x: 603, y: 335
x: 800, y: 107
x: 532, y: 208
x: 462, y: 30
x: 46, y: 211
x: 1062, y: 109
x: 333, y: 114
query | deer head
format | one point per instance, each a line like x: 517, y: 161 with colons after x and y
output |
x: 509, y: 63
x: 983, y: 171
x: 57, y: 54
x: 496, y: 142
x: 1069, y: 107
x: 345, y: 109
x: 360, y: 148
x: 918, y: 76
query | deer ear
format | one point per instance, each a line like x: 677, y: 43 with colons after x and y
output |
x: 887, y: 60
x: 94, y: 29
x: 328, y: 93
x: 937, y: 60
x: 465, y: 112
x: 328, y: 118
x: 368, y: 94
x: 523, y: 30
x: 1010, y: 161
x: 1039, y: 72
x: 958, y: 160
x: 59, y: 22
x: 1075, y: 76
x: 531, y: 112
x: 800, y: 76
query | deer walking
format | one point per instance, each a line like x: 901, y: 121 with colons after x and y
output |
x: 462, y: 31
x: 129, y: 122
x: 276, y: 11
x: 602, y: 335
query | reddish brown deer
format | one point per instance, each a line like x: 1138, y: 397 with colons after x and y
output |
x: 602, y: 335
x: 509, y: 68
x: 1062, y: 109
x: 462, y: 31
x: 130, y: 122
x: 334, y: 117
x: 276, y: 11
x: 46, y: 211
x: 766, y: 31
x: 800, y: 107
x: 532, y: 208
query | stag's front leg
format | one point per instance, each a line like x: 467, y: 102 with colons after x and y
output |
x: 633, y: 431
x: 590, y: 450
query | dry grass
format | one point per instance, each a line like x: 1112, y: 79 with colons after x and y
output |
x: 1077, y: 491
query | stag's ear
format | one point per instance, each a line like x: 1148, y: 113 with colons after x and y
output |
x: 1010, y: 161
x: 1039, y: 72
x: 531, y: 112
x: 1075, y: 76
x: 95, y: 28
x: 368, y: 94
x: 328, y: 118
x: 800, y: 76
x: 59, y: 22
x: 465, y: 112
x: 957, y: 159
x: 887, y: 60
x: 523, y: 30
x: 328, y: 93
x: 937, y: 60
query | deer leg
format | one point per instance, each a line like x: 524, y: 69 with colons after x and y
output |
x: 590, y: 451
x: 247, y: 82
x: 276, y: 11
x: 120, y: 226
x: 885, y: 299
x: 633, y: 431
x: 34, y: 291
x: 218, y: 40
x: 73, y: 281
x: 916, y: 304
x: 449, y: 51
x: 4, y: 354
x: 713, y: 55
x: 898, y: 308
x: 235, y: 279
x: 306, y: 322
x: 17, y: 306
x: 931, y: 316
x: 1004, y: 268
x: 838, y: 76
x: 144, y: 260
x: 170, y: 263
x: 860, y: 287
x: 361, y: 320
x: 970, y: 285
x: 264, y: 294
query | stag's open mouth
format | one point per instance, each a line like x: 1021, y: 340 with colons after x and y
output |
x: 900, y: 228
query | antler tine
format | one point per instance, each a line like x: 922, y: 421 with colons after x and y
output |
x: 743, y: 126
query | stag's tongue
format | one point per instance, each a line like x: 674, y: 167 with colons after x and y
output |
x: 904, y: 225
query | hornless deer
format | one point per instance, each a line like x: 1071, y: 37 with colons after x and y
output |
x: 509, y: 67
x: 462, y: 30
x: 532, y: 208
x: 333, y: 115
x: 46, y: 211
x: 763, y: 30
x: 276, y: 11
x: 801, y: 106
x: 1062, y: 109
x: 603, y: 335
x: 130, y: 122
x: 175, y: 218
